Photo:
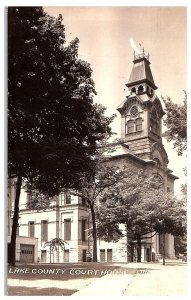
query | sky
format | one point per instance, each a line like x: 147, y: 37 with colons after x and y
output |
x: 104, y: 34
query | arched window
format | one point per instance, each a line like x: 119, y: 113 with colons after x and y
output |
x: 130, y: 126
x: 154, y: 122
x: 133, y: 90
x: 140, y: 89
x: 158, y: 163
x: 138, y: 124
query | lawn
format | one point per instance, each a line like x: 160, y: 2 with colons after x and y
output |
x: 57, y: 279
x: 26, y: 291
x: 60, y: 271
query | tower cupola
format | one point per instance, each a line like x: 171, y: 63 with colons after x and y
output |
x: 141, y: 79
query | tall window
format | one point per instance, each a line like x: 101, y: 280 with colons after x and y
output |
x: 83, y: 230
x: 68, y: 197
x: 67, y: 229
x: 130, y: 126
x: 65, y: 197
x: 44, y: 230
x: 138, y: 124
x: 158, y: 163
x: 31, y: 229
x: 154, y: 122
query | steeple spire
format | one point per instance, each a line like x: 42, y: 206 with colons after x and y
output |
x: 141, y: 75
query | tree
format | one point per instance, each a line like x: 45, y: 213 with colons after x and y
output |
x: 125, y: 203
x: 54, y: 245
x: 168, y: 216
x: 140, y: 203
x: 53, y: 125
x: 176, y: 123
x: 94, y: 184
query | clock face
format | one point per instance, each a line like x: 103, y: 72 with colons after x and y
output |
x: 134, y: 111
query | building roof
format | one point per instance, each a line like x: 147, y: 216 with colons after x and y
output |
x: 141, y: 72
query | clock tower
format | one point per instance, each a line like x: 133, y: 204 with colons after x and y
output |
x: 141, y: 114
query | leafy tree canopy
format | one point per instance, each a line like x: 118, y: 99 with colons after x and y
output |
x: 53, y: 125
x: 141, y: 206
x: 176, y: 123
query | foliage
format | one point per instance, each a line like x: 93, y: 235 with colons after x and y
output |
x: 140, y: 203
x: 168, y: 214
x: 53, y: 125
x: 55, y: 243
x: 38, y: 201
x: 176, y: 123
x: 180, y: 245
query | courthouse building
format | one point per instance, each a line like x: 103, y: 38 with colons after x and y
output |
x: 68, y: 217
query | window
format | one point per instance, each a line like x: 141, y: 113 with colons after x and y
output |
x: 158, y: 163
x: 67, y: 229
x: 133, y: 90
x: 65, y: 197
x: 109, y: 255
x: 130, y: 126
x: 31, y: 229
x: 68, y: 197
x: 154, y: 122
x: 140, y: 89
x: 168, y: 190
x: 44, y: 231
x: 102, y: 255
x: 138, y: 124
x: 83, y: 230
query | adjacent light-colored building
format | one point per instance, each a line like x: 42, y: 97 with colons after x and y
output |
x: 68, y: 217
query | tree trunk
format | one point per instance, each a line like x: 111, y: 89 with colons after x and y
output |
x: 94, y: 233
x: 12, y: 247
x: 163, y: 249
x: 138, y: 248
x: 127, y: 243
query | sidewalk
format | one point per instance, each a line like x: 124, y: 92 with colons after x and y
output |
x: 159, y: 280
x: 150, y: 280
x: 109, y: 285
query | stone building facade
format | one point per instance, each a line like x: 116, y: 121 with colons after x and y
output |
x: 141, y: 148
x: 68, y: 217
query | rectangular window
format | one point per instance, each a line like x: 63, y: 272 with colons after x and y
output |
x: 66, y: 256
x: 67, y: 229
x: 102, y: 255
x: 130, y: 126
x: 68, y: 197
x: 109, y: 255
x: 31, y: 229
x: 44, y: 230
x: 139, y: 124
x: 62, y: 196
x: 65, y: 197
x: 83, y: 230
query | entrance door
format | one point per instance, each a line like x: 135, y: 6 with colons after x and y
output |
x: 84, y: 255
x: 109, y: 255
x: 66, y: 256
x: 102, y: 255
x: 148, y: 255
x: 43, y: 255
x: 27, y: 253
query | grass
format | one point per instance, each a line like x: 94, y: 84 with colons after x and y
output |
x: 24, y: 291
x: 61, y: 272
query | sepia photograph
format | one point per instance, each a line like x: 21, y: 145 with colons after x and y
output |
x: 96, y: 151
